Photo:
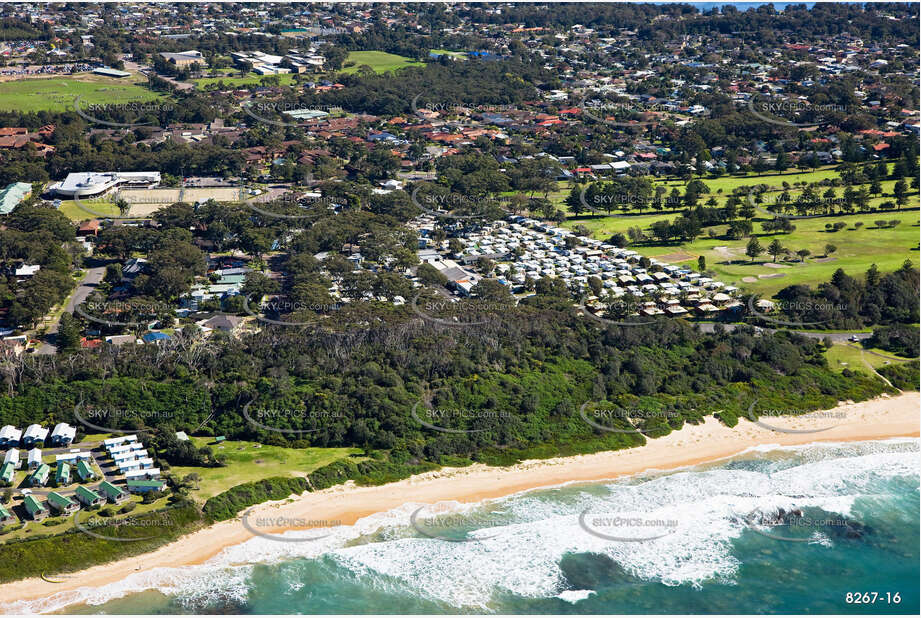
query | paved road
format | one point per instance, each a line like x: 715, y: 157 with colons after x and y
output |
x: 96, y: 453
x: 842, y: 337
x: 90, y: 281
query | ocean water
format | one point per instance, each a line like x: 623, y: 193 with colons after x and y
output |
x: 704, y: 539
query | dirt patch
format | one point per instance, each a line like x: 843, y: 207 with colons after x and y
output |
x: 773, y: 265
x: 772, y: 276
x: 725, y: 252
x: 749, y: 279
x: 824, y: 259
x: 679, y: 256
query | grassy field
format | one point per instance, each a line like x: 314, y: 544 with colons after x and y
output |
x: 728, y: 183
x: 58, y: 93
x: 252, y: 79
x: 846, y: 356
x: 248, y: 461
x: 856, y: 250
x: 73, y: 212
x: 381, y: 62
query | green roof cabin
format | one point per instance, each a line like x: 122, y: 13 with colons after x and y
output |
x: 34, y: 508
x: 62, y: 504
x: 88, y: 497
x: 84, y: 471
x: 6, y: 517
x: 142, y: 487
x: 40, y: 476
x: 6, y: 473
x: 62, y: 476
x: 112, y: 493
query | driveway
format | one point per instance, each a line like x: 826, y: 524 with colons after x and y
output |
x: 90, y: 281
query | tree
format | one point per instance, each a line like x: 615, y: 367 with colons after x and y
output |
x: 754, y: 248
x: 782, y: 162
x: 123, y: 206
x: 829, y: 249
x: 701, y: 263
x: 900, y: 192
x: 69, y: 331
x: 775, y: 249
x: 803, y: 254
x: 430, y: 275
x: 596, y: 285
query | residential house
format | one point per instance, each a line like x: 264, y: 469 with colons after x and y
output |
x: 62, y: 504
x: 35, y: 458
x: 12, y: 457
x: 7, y: 472
x: 226, y: 323
x: 34, y: 435
x: 112, y: 493
x: 84, y: 471
x: 62, y: 476
x: 34, y: 508
x: 88, y: 497
x: 6, y: 517
x: 39, y: 477
x: 63, y: 434
x: 9, y: 436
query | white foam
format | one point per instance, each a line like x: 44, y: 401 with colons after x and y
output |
x: 523, y: 556
x: 574, y: 596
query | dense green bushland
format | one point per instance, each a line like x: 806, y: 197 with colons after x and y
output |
x: 515, y: 384
x: 227, y: 504
x: 903, y: 340
x: 904, y: 375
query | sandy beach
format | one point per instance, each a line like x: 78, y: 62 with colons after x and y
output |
x: 886, y: 417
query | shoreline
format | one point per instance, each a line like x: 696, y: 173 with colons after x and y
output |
x: 877, y: 419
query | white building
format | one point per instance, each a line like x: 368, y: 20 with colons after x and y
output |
x: 34, y: 434
x: 63, y: 434
x: 73, y: 457
x: 12, y: 456
x: 90, y: 184
x: 9, y: 436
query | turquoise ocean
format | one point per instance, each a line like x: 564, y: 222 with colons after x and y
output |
x: 773, y: 530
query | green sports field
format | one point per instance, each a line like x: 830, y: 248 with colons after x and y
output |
x: 57, y: 94
x: 73, y: 212
x: 380, y: 62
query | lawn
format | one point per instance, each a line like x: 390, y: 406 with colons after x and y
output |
x: 380, y: 62
x: 728, y: 183
x: 856, y: 250
x: 57, y: 94
x: 250, y: 461
x: 73, y: 212
x: 850, y: 356
x: 252, y: 79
